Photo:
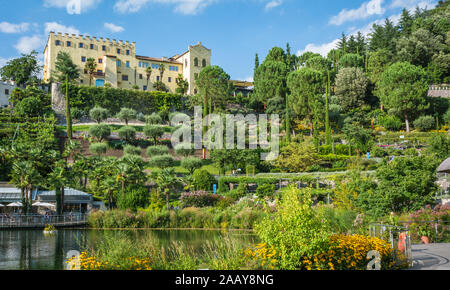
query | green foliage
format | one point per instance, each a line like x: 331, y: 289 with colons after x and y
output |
x: 66, y: 68
x: 154, y: 132
x: 162, y: 161
x: 403, y: 87
x: 351, y: 60
x: 390, y: 122
x: 101, y: 131
x: 126, y: 115
x: 98, y: 114
x: 132, y: 150
x: 359, y: 137
x: 265, y: 190
x: 199, y: 199
x: 440, y: 146
x: 31, y: 107
x: 238, y: 193
x: 425, y: 123
x: 113, y: 99
x: 181, y: 150
x: 135, y: 197
x: 404, y: 185
x: 153, y: 119
x: 203, y: 180
x: 214, y: 86
x: 351, y: 88
x: 127, y: 133
x: 297, y: 157
x: 153, y: 151
x: 295, y: 230
x: 23, y: 70
x: 191, y: 164
x: 98, y: 148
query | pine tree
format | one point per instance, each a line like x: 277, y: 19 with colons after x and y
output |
x: 406, y: 23
x: 342, y: 44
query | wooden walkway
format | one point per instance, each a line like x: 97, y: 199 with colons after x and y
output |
x: 40, y: 222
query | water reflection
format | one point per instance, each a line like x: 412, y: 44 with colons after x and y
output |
x: 32, y: 250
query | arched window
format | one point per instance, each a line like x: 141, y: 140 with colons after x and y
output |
x: 195, y: 61
x: 204, y: 63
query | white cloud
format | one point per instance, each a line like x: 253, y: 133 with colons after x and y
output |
x: 114, y: 28
x: 27, y: 44
x: 188, y: 7
x: 412, y: 4
x: 273, y: 4
x: 3, y: 61
x: 56, y: 27
x: 84, y: 5
x: 322, y: 49
x: 367, y: 9
x: 7, y: 27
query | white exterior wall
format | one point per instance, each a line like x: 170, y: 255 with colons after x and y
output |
x: 6, y: 89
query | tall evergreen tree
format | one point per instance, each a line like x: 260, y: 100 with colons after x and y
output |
x: 406, y: 23
x: 342, y: 44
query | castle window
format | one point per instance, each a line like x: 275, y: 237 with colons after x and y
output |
x: 104, y: 47
x: 140, y: 76
x: 100, y: 60
x: 69, y: 44
x: 81, y: 45
x: 124, y: 78
x: 195, y: 61
x: 204, y: 63
x: 128, y: 64
x: 6, y: 92
x: 99, y: 71
x: 145, y: 88
x: 119, y: 63
x: 157, y: 78
x: 83, y: 59
x: 170, y: 79
x: 128, y: 52
x: 118, y: 51
x: 58, y: 43
x: 92, y: 46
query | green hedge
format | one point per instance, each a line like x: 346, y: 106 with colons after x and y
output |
x: 86, y: 98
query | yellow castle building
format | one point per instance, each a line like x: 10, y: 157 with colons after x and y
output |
x: 119, y: 66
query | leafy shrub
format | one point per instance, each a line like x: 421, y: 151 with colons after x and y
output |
x: 295, y: 231
x: 98, y: 148
x: 378, y: 152
x: 203, y: 180
x: 154, y: 132
x: 265, y: 190
x: 199, y: 199
x: 391, y: 123
x: 136, y: 196
x: 153, y: 119
x: 191, y: 164
x: 425, y: 123
x: 447, y: 117
x: 239, y: 192
x: 157, y: 151
x: 100, y: 132
x: 126, y: 115
x: 162, y: 161
x: 132, y: 150
x: 183, y: 150
x: 127, y: 133
x: 29, y: 107
x: 98, y: 114
x: 76, y: 113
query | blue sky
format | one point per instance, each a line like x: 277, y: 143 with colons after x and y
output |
x: 234, y: 29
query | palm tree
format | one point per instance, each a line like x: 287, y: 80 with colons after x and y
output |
x: 90, y: 67
x: 166, y: 180
x: 149, y: 71
x: 162, y: 69
x: 24, y: 176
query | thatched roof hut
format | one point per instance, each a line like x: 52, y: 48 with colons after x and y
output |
x: 444, y: 167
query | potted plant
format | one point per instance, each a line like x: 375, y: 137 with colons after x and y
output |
x: 424, y: 233
x: 49, y: 230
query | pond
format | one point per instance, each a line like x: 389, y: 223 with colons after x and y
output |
x: 32, y: 250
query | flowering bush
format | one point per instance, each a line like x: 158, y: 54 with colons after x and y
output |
x: 429, y: 222
x: 86, y: 262
x: 199, y: 199
x: 350, y: 253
